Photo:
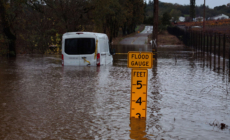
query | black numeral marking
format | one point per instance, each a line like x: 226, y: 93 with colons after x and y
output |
x: 139, y: 115
x: 139, y: 101
x: 139, y: 83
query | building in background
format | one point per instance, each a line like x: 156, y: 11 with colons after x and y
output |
x: 198, y: 19
x: 222, y: 16
x: 228, y: 5
x: 181, y: 19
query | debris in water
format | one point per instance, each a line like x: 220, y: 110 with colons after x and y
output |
x: 219, y: 125
x: 215, y: 123
x: 223, y: 126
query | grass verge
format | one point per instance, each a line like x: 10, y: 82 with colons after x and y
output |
x: 164, y: 38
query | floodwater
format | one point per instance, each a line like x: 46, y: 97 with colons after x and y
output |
x: 188, y: 98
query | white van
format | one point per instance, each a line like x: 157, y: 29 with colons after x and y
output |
x: 85, y: 49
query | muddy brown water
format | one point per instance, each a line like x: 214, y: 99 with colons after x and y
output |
x: 188, y: 98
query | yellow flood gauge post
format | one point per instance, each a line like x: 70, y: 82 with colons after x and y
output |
x: 139, y: 62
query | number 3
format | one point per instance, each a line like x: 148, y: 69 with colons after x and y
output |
x: 139, y: 115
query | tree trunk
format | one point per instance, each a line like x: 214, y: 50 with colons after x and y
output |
x: 7, y: 31
x: 12, y: 51
x: 104, y: 28
x: 124, y: 29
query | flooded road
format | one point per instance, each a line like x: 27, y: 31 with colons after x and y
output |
x: 187, y: 99
x: 138, y: 39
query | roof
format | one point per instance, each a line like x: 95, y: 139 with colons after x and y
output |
x: 181, y: 18
x: 220, y: 15
x: 199, y: 17
x: 85, y: 33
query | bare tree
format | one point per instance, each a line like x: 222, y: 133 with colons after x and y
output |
x: 73, y: 13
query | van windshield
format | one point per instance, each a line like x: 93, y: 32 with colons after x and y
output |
x: 75, y: 46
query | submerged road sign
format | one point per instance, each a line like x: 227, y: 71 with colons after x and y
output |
x: 140, y: 60
x: 139, y: 82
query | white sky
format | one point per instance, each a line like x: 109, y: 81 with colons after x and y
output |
x: 210, y: 3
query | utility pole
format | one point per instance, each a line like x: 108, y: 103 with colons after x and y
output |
x: 192, y: 9
x: 204, y: 18
x: 155, y: 27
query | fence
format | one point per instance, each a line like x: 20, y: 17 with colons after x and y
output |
x: 211, y: 42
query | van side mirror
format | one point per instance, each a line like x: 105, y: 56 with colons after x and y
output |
x: 112, y: 51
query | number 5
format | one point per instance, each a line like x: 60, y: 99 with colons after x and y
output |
x: 139, y: 83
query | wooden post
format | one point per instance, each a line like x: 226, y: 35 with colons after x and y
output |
x: 211, y: 44
x: 215, y: 45
x: 204, y: 43
x: 198, y: 40
x: 204, y: 18
x: 201, y: 41
x: 219, y: 47
x: 224, y: 41
x: 229, y: 59
x: 155, y: 27
x: 214, y: 49
x: 219, y: 51
x: 207, y: 43
x: 191, y: 40
x: 196, y: 43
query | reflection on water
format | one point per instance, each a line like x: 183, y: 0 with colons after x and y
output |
x: 137, y: 129
x: 126, y: 48
x: 40, y: 99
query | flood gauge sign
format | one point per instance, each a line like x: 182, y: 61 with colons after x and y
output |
x: 139, y: 86
x: 140, y: 60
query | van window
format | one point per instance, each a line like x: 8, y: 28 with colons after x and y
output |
x: 106, y: 47
x: 75, y: 46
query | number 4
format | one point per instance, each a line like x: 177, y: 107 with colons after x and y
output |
x: 139, y: 101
